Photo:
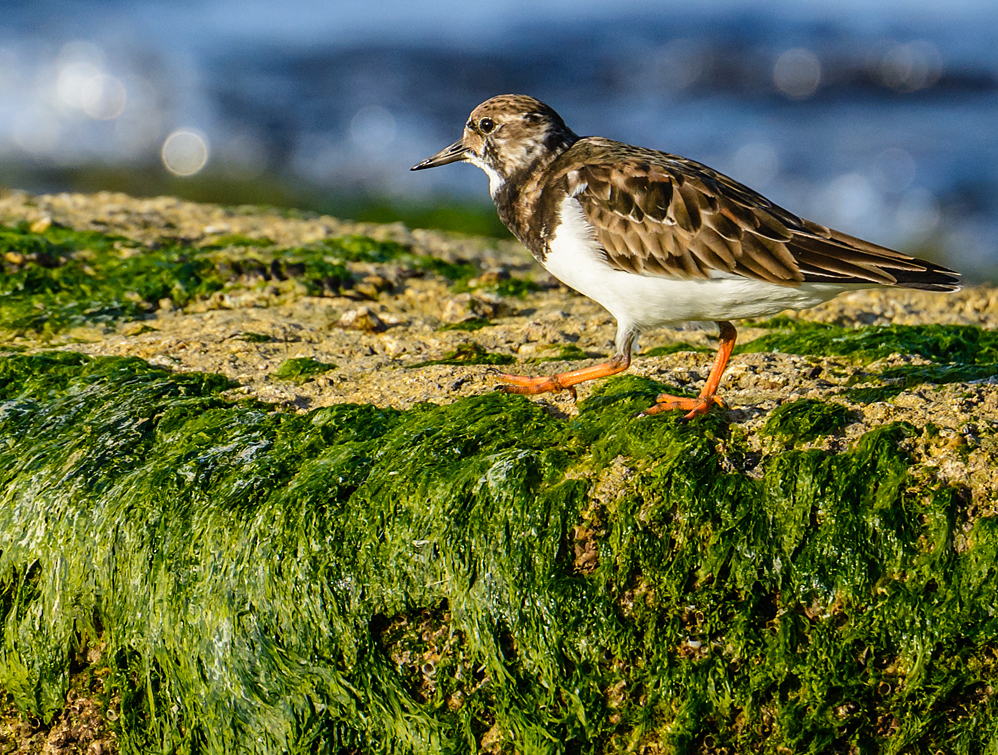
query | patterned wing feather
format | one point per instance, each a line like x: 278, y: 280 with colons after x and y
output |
x: 658, y: 214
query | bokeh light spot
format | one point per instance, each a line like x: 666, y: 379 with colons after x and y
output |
x: 678, y: 64
x: 103, y: 98
x: 908, y: 68
x: 185, y: 152
x: 73, y: 79
x: 797, y: 73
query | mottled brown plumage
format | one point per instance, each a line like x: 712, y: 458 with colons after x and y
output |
x: 657, y: 238
x: 659, y: 214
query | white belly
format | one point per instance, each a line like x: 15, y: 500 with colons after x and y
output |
x: 642, y: 301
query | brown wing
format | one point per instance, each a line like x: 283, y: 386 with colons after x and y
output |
x: 665, y: 215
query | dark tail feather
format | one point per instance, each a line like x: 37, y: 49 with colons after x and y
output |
x: 836, y: 257
x: 933, y: 278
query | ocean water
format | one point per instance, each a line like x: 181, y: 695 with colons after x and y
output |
x: 878, y: 119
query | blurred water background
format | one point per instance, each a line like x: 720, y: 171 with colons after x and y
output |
x: 880, y: 119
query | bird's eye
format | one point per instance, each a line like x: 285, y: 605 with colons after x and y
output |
x: 486, y: 125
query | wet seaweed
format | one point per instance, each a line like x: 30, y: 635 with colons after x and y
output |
x: 807, y: 419
x: 893, y: 381
x: 301, y: 369
x: 365, y: 249
x: 467, y: 353
x: 62, y: 279
x: 471, y: 324
x: 675, y: 348
x: 518, y: 288
x: 950, y: 344
x: 358, y: 579
x: 961, y: 353
x: 250, y: 337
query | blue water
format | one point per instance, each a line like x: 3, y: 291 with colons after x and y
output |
x: 878, y: 119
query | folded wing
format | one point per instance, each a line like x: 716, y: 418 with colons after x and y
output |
x: 665, y: 215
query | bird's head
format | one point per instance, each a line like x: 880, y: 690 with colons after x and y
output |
x: 506, y: 135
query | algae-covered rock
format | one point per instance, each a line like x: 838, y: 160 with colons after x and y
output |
x: 381, y: 559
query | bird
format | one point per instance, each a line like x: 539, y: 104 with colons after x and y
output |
x: 659, y: 239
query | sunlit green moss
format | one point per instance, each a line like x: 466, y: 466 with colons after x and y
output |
x: 471, y: 324
x: 675, y: 348
x: 63, y: 278
x: 358, y: 579
x: 301, y: 369
x: 250, y: 337
x: 958, y: 344
x: 807, y: 419
x: 467, y: 353
x: 236, y: 239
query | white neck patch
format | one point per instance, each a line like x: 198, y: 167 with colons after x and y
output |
x: 495, y: 180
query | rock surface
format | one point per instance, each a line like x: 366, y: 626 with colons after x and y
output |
x: 392, y: 321
x: 397, y: 336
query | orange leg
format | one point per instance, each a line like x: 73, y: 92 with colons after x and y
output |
x: 708, y: 396
x: 566, y: 381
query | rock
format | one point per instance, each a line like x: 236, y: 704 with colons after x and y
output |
x: 490, y: 277
x: 42, y: 224
x: 363, y: 319
x: 467, y: 306
x: 372, y: 285
x: 616, y: 497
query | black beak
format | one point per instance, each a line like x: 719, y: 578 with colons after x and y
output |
x: 452, y: 154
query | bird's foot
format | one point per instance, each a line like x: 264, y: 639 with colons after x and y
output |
x: 693, y: 406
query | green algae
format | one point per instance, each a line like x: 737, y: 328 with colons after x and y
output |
x: 675, y: 348
x: 893, y: 381
x: 250, y: 337
x: 958, y: 344
x: 807, y: 419
x: 358, y: 579
x: 365, y: 249
x: 470, y: 325
x: 961, y: 353
x: 237, y: 239
x: 61, y: 279
x: 517, y: 288
x: 467, y: 353
x: 301, y: 369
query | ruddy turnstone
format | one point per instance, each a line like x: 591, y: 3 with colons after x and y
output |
x: 656, y: 238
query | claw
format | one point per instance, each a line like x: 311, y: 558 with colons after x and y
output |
x: 692, y: 406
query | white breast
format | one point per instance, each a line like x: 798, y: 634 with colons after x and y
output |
x: 645, y: 301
